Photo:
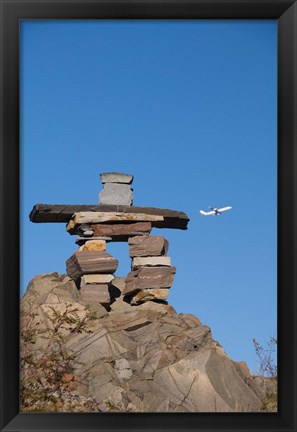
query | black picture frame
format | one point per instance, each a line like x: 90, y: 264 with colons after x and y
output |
x: 285, y: 11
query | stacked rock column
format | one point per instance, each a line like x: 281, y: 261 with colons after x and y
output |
x: 92, y: 268
x: 152, y: 274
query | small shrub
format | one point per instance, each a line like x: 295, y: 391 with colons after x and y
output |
x: 46, y: 378
x: 266, y: 364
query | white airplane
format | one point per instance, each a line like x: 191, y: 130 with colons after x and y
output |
x: 215, y: 211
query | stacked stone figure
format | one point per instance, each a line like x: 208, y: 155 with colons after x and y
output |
x: 152, y: 274
x: 113, y: 220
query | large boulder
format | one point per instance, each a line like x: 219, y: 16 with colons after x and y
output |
x: 144, y: 358
x: 50, y: 283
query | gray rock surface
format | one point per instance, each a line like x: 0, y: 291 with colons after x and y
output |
x: 116, y: 194
x: 119, y: 282
x: 119, y: 305
x: 150, y: 261
x: 144, y: 358
x: 50, y: 283
x: 115, y: 177
x: 95, y: 293
x: 96, y: 278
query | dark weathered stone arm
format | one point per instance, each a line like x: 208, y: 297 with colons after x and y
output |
x: 56, y: 213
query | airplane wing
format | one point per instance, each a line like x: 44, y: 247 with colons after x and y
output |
x: 223, y: 209
x: 203, y: 213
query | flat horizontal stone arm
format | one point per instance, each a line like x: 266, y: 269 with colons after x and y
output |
x: 99, y: 217
x: 63, y: 213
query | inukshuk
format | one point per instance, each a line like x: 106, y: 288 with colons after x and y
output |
x: 114, y: 219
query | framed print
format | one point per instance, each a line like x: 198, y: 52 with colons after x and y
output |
x: 187, y: 110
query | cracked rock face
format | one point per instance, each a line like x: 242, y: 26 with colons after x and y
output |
x: 144, y: 358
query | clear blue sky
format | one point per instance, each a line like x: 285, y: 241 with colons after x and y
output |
x: 189, y: 108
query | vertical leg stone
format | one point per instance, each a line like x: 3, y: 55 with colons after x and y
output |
x: 93, y: 269
x: 152, y: 274
x: 145, y: 246
x: 90, y: 262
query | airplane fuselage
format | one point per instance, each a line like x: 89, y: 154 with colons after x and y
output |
x: 215, y: 211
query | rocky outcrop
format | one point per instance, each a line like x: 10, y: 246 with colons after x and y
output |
x: 267, y: 391
x: 125, y: 358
